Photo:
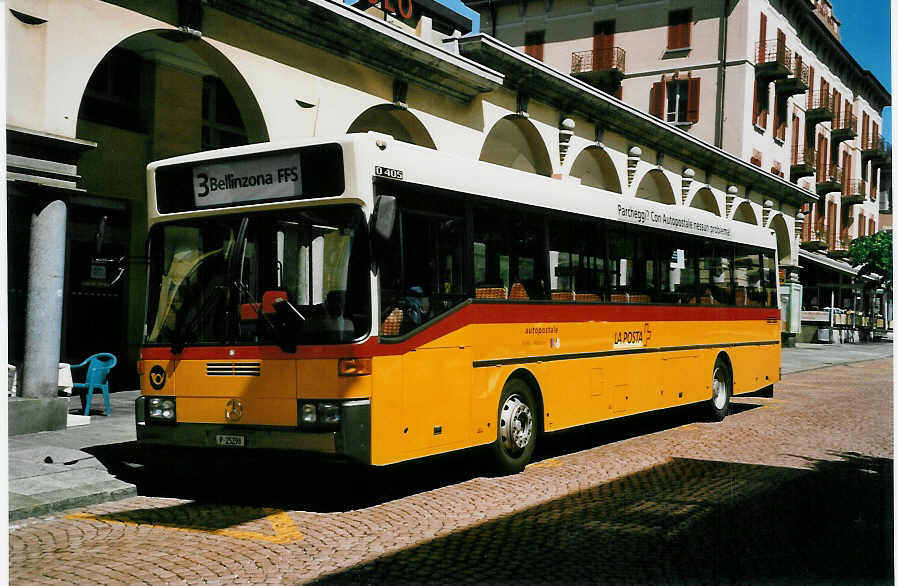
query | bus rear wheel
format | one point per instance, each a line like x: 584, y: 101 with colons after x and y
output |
x: 517, y: 428
x: 721, y: 390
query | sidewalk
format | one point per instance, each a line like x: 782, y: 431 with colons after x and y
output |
x: 83, y: 465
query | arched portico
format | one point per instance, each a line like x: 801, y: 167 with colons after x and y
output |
x: 514, y: 142
x: 745, y: 213
x: 595, y: 168
x: 397, y: 122
x: 654, y: 186
x: 704, y: 200
x: 783, y: 241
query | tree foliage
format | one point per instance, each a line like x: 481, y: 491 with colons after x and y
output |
x: 874, y: 255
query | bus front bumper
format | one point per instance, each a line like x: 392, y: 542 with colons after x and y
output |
x: 352, y: 440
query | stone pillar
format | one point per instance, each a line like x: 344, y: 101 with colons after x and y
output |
x: 43, y: 322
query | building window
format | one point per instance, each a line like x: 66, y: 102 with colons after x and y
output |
x: 679, y: 29
x: 533, y: 44
x: 114, y: 90
x: 222, y: 123
x: 676, y: 101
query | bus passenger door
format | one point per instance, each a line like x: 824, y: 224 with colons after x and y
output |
x: 436, y: 398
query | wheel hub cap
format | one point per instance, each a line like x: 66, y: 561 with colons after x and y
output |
x: 719, y: 389
x: 515, y: 424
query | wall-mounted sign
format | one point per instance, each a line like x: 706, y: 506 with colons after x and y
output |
x: 240, y: 181
x: 402, y: 8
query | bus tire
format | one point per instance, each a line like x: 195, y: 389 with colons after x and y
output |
x: 721, y: 390
x: 516, y: 429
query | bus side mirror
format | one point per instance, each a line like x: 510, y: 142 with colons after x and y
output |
x: 384, y: 217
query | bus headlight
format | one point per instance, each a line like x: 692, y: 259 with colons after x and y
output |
x: 319, y: 415
x: 161, y: 409
x: 308, y: 413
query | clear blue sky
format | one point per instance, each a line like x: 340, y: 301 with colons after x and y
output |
x: 866, y: 33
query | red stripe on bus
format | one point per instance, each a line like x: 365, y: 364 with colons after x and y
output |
x: 474, y: 313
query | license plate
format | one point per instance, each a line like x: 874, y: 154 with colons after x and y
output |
x: 230, y: 440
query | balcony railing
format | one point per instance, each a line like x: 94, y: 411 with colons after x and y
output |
x: 599, y: 60
x: 845, y: 121
x: 829, y: 179
x: 770, y: 51
x: 820, y: 100
x: 854, y: 192
x: 875, y: 143
x: 802, y: 72
x: 802, y: 155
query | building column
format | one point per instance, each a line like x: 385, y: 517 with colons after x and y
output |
x: 43, y: 325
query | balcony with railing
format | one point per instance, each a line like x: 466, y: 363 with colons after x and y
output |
x: 820, y: 108
x: 844, y: 128
x: 876, y: 149
x: 818, y: 240
x: 826, y: 16
x: 853, y: 192
x: 602, y: 68
x: 830, y: 180
x: 804, y: 162
x: 773, y: 60
x: 797, y: 82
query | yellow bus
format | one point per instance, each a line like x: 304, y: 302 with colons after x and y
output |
x: 378, y: 302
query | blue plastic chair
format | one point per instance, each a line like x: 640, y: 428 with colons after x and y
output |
x: 98, y: 367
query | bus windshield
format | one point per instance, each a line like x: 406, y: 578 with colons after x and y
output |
x: 286, y: 277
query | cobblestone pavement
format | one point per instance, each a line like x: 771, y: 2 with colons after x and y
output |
x: 793, y: 488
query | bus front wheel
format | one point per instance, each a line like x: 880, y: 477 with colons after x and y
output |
x: 721, y: 390
x: 517, y: 428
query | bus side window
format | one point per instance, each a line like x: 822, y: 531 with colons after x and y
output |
x: 715, y: 274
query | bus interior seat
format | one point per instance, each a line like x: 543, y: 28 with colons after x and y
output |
x: 619, y: 298
x: 639, y: 298
x: 393, y: 323
x: 268, y: 299
x: 490, y: 292
x: 518, y: 292
x: 562, y: 295
x: 588, y: 297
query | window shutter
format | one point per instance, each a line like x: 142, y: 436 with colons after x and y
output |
x: 810, y: 86
x: 764, y: 95
x: 762, y: 41
x: 692, y: 101
x: 657, y: 105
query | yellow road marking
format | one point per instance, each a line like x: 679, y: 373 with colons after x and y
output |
x: 285, y: 530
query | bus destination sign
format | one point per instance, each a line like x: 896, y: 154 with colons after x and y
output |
x: 243, y: 181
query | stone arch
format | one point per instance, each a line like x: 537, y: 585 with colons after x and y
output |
x: 183, y: 71
x: 595, y: 168
x: 745, y: 213
x: 515, y: 142
x: 654, y: 186
x: 397, y: 122
x: 704, y: 200
x: 783, y: 241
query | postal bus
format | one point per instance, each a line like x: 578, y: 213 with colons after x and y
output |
x: 378, y: 301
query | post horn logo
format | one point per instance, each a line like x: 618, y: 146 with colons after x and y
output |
x: 234, y: 410
x: 157, y: 377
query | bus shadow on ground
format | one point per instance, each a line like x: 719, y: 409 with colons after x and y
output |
x: 685, y: 521
x: 295, y: 482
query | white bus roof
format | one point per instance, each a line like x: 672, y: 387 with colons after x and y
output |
x: 419, y: 165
